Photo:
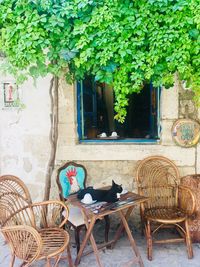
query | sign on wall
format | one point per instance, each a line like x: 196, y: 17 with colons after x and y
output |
x: 11, y: 96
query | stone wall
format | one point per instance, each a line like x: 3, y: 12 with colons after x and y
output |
x: 25, y: 148
x: 69, y: 148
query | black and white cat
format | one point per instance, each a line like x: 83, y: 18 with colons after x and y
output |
x: 109, y: 195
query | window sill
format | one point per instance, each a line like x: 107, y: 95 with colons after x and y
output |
x: 123, y: 141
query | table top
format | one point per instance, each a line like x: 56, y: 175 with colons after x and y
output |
x: 100, y: 209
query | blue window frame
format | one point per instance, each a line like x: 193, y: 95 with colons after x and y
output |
x: 95, y: 114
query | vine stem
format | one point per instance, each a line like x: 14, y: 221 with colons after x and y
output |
x: 53, y: 135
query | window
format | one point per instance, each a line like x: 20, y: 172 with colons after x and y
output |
x: 95, y: 114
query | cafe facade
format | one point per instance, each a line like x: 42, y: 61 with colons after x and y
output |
x: 89, y: 134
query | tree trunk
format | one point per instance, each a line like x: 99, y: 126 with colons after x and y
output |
x: 53, y: 135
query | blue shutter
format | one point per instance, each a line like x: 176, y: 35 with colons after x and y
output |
x: 79, y: 109
x: 155, y: 111
x: 82, y: 115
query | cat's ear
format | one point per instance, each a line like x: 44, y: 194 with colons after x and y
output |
x: 113, y: 182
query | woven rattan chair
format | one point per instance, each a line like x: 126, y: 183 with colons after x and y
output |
x: 14, y: 195
x: 11, y: 183
x: 67, y: 174
x: 170, y: 204
x: 35, y: 232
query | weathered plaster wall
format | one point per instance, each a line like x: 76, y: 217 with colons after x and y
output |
x: 24, y: 141
x: 25, y: 147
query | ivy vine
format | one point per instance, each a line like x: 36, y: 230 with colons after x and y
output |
x: 121, y: 42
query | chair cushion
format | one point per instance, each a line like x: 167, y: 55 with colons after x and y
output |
x: 75, y: 216
x: 165, y: 215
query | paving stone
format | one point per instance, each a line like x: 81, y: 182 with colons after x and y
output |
x: 163, y: 255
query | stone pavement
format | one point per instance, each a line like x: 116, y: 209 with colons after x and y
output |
x: 172, y: 255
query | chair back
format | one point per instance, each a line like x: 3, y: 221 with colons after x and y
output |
x: 41, y: 215
x: 70, y: 179
x: 10, y: 203
x: 11, y: 183
x: 158, y: 178
x: 48, y: 214
x: 14, y: 195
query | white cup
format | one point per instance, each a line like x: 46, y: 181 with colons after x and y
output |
x: 103, y: 135
x: 114, y: 134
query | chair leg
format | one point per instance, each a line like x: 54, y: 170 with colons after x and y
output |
x: 188, y: 241
x: 69, y: 257
x: 77, y: 238
x: 48, y: 263
x: 57, y: 260
x: 24, y: 264
x: 12, y: 261
x: 142, y: 228
x: 149, y: 241
x: 107, y: 227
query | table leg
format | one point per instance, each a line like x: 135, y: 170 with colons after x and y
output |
x: 96, y: 251
x: 94, y: 245
x: 131, y: 239
x: 121, y: 227
x: 88, y: 235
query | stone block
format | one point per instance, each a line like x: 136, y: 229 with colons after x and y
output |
x: 166, y: 135
x: 169, y: 103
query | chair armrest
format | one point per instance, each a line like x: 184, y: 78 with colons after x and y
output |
x: 24, y: 241
x: 40, y: 215
x: 186, y: 200
x: 49, y: 213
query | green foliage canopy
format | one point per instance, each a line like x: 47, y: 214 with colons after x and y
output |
x: 121, y: 42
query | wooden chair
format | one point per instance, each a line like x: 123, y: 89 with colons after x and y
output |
x: 35, y: 232
x: 170, y: 204
x: 71, y: 178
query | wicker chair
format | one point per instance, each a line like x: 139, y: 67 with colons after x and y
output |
x: 170, y: 204
x: 10, y: 186
x: 79, y: 174
x: 35, y: 232
x: 11, y: 183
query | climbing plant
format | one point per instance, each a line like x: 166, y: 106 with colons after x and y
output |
x: 123, y: 43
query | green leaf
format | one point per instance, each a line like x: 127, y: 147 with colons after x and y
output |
x: 194, y: 33
x: 122, y: 43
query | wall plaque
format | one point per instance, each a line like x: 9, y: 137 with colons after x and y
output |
x: 11, y: 95
x: 186, y: 132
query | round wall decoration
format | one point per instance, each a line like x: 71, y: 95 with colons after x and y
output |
x: 186, y: 132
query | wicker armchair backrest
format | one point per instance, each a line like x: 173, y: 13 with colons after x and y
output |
x: 158, y: 178
x: 11, y: 183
